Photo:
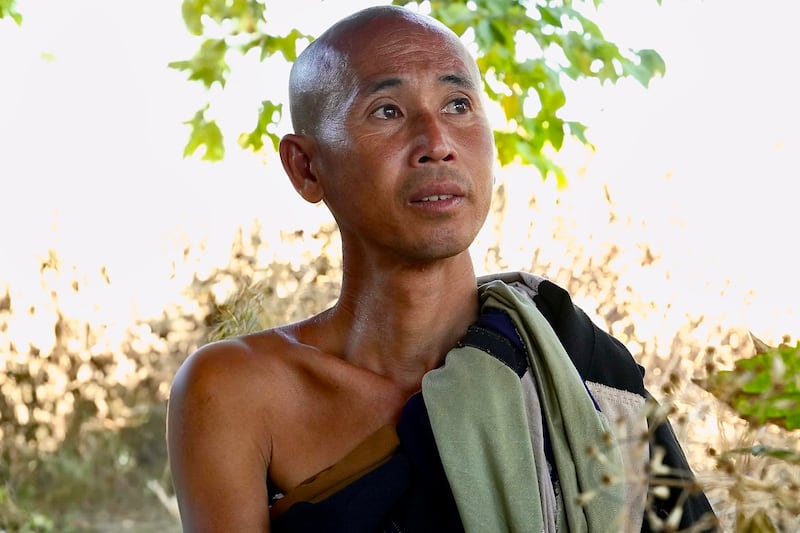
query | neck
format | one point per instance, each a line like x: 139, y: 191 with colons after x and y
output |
x: 401, y: 322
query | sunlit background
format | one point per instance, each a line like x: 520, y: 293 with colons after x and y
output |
x: 704, y: 163
x: 693, y: 181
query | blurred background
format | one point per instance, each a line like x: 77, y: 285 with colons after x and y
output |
x: 678, y: 232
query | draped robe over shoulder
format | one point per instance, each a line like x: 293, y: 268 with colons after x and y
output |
x: 535, y: 422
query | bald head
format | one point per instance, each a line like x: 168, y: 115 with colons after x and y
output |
x: 322, y: 80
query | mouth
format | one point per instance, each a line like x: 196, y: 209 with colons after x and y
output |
x: 436, y: 198
x: 438, y: 204
x: 436, y: 193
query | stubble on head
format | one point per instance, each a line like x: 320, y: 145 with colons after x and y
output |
x: 319, y: 87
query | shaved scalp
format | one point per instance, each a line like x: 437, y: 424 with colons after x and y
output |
x: 321, y: 81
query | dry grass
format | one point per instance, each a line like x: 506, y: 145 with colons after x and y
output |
x: 75, y: 386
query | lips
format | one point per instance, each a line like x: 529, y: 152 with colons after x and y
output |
x: 435, y: 188
x: 436, y: 192
x: 438, y: 202
x: 436, y: 198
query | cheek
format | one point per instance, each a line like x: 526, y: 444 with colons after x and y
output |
x: 370, y: 143
x: 488, y: 143
x: 484, y: 154
x: 480, y: 139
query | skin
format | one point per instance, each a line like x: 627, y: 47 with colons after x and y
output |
x: 401, y: 123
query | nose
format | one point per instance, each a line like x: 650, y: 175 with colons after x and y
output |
x: 432, y: 144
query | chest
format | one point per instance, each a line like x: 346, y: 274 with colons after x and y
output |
x: 326, y: 420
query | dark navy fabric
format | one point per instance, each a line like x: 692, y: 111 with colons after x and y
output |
x: 359, y: 507
x: 409, y: 493
x: 499, y: 322
x: 486, y: 336
x: 428, y: 505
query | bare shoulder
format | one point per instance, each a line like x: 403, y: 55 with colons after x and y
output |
x: 233, y: 366
x: 221, y: 418
x: 239, y: 381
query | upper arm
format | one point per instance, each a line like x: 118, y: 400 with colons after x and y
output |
x: 218, y: 446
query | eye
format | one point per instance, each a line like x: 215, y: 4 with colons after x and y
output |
x: 387, y: 112
x: 458, y: 106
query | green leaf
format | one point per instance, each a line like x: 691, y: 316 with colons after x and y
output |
x: 204, y: 133
x: 286, y: 45
x: 269, y: 114
x: 484, y: 35
x: 505, y: 143
x: 653, y: 62
x: 589, y: 28
x: 456, y: 15
x: 579, y: 57
x: 192, y: 13
x: 551, y: 96
x: 243, y: 14
x: 511, y: 104
x: 208, y: 65
x: 649, y: 65
x: 513, y: 147
x: 8, y: 8
x: 555, y: 131
x: 546, y: 168
x: 764, y: 388
x: 550, y: 15
x: 578, y: 130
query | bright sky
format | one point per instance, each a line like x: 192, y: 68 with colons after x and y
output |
x: 91, y: 138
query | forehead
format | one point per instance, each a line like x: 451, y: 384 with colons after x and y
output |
x: 396, y: 47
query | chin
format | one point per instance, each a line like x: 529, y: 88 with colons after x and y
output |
x: 440, y: 249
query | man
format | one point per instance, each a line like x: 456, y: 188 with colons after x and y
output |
x: 351, y: 420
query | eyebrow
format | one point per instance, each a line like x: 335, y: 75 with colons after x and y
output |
x: 448, y: 79
x: 458, y: 80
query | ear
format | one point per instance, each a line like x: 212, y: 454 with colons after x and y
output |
x: 296, y: 152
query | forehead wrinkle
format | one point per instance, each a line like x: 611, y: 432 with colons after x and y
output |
x: 413, y: 45
x: 410, y: 43
x: 462, y: 81
x: 454, y: 68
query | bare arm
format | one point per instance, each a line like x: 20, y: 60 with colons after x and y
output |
x: 219, y: 449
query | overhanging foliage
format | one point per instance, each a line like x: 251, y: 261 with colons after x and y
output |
x: 8, y: 8
x: 526, y: 84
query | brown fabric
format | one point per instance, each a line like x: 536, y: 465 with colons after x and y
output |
x: 371, y: 453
